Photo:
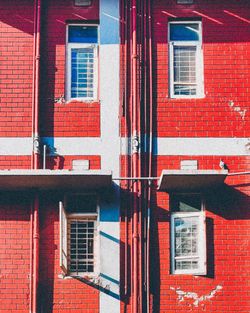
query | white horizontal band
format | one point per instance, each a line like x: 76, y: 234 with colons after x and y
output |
x: 97, y: 146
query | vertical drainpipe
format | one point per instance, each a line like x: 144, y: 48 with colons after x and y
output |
x: 35, y: 160
x: 36, y: 237
x: 150, y: 74
x: 135, y: 159
x: 36, y: 82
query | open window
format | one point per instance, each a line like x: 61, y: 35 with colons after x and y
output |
x: 79, y: 235
x: 185, y: 59
x: 82, y: 62
x: 188, y: 234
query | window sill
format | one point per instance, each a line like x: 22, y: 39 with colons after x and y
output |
x: 187, y: 97
x: 91, y: 277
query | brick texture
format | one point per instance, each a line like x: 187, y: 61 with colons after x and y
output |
x: 14, y: 253
x: 224, y: 112
x: 58, y: 294
x: 16, y: 60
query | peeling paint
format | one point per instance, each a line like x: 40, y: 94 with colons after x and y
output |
x: 247, y: 145
x: 182, y: 295
x: 238, y: 109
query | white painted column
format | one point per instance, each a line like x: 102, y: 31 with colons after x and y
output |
x: 109, y: 206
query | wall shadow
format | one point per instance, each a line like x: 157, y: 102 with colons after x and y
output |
x: 210, y: 247
x: 228, y: 202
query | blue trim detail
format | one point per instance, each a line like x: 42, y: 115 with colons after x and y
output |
x: 109, y: 22
x: 109, y: 237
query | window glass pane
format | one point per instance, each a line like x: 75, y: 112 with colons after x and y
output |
x: 184, y: 90
x: 81, y: 204
x: 186, y: 236
x: 81, y: 245
x: 83, y: 34
x: 186, y: 265
x: 185, y: 64
x: 184, y: 32
x: 82, y: 73
x: 186, y: 203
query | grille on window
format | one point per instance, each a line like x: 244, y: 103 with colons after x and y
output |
x: 82, y: 3
x: 82, y: 65
x: 186, y: 242
x: 184, y: 70
x: 82, y: 245
x: 185, y: 1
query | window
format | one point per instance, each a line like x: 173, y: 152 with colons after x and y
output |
x: 81, y: 73
x: 188, y: 240
x: 185, y: 59
x: 79, y: 235
x: 82, y: 3
x: 185, y: 1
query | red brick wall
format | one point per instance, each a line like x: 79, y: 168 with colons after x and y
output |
x: 16, y: 65
x: 16, y: 48
x: 228, y: 240
x: 15, y: 162
x: 14, y: 253
x: 224, y: 112
x: 58, y: 294
x: 227, y: 223
x: 56, y: 119
x: 65, y: 162
x: 64, y: 119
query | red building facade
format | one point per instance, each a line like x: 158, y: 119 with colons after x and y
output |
x: 124, y: 156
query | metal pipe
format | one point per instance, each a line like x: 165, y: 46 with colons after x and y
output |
x: 31, y: 256
x: 44, y: 156
x: 135, y: 240
x: 238, y: 173
x: 36, y: 236
x: 35, y: 159
x: 36, y: 82
x: 150, y: 73
x: 126, y: 84
x: 135, y: 178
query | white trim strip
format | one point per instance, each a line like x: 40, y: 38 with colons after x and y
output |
x: 75, y: 145
x: 15, y: 146
x: 101, y: 146
x: 203, y: 146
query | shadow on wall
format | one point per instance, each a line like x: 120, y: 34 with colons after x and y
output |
x: 228, y: 202
x: 52, y: 281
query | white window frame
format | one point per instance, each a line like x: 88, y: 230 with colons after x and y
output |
x: 68, y: 72
x: 64, y: 237
x: 201, y: 256
x: 199, y: 62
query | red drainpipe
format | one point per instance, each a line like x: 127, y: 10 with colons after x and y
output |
x: 35, y: 160
x: 36, y: 236
x: 135, y: 163
x: 150, y: 74
x: 36, y: 81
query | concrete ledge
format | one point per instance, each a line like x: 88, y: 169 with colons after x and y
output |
x: 54, y: 179
x: 186, y: 180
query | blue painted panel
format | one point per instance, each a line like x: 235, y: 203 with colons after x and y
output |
x: 83, y: 34
x: 109, y: 205
x: 109, y: 22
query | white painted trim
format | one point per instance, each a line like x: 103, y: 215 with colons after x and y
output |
x: 16, y: 146
x: 192, y: 146
x: 198, y: 58
x: 76, y: 145
x: 109, y: 56
x: 100, y: 146
x: 203, y: 146
x: 68, y: 70
x: 201, y: 246
x: 110, y: 153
